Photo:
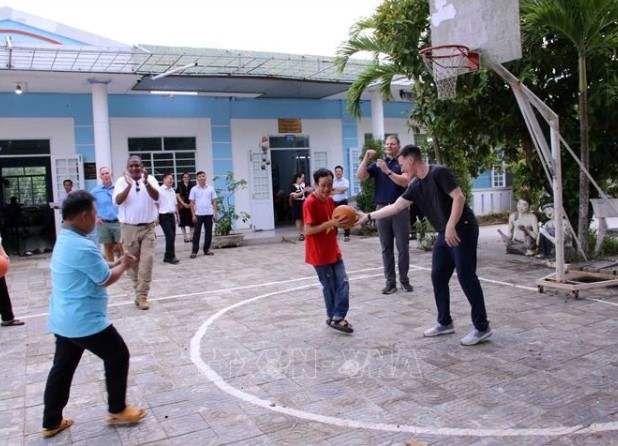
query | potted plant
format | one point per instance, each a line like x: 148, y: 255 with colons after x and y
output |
x: 227, y: 214
x: 426, y: 234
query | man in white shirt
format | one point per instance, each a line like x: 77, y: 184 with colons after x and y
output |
x: 203, y: 200
x: 340, y: 194
x: 168, y: 216
x: 136, y: 194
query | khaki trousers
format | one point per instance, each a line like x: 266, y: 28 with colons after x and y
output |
x: 139, y: 241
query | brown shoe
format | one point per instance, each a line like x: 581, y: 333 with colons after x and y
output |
x: 142, y: 303
x: 129, y: 415
x: 66, y: 422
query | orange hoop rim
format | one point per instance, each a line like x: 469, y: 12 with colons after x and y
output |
x: 457, y: 52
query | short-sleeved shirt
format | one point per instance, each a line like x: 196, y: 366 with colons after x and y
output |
x: 139, y: 207
x: 78, y: 302
x: 431, y: 194
x: 321, y: 248
x: 167, y: 200
x: 203, y: 198
x: 386, y: 190
x: 343, y: 182
x: 105, y: 205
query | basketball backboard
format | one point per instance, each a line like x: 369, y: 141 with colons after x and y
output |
x: 490, y: 27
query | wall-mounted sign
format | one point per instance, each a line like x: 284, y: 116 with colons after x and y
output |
x: 286, y: 125
x: 90, y: 171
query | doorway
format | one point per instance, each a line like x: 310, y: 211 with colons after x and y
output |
x: 28, y: 225
x: 285, y: 164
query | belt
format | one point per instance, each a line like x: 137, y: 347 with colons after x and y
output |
x: 115, y: 220
x: 167, y: 213
x: 140, y: 224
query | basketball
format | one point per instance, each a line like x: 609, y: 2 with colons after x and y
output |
x: 347, y: 212
x: 4, y: 265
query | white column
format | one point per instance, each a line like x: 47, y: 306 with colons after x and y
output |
x: 100, y: 118
x: 377, y: 115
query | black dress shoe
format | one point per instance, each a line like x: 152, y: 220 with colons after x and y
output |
x: 406, y: 286
x: 389, y: 289
x: 174, y: 261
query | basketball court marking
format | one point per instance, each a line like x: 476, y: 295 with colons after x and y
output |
x: 219, y: 381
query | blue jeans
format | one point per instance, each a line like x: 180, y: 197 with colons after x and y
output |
x: 445, y: 260
x: 335, y: 288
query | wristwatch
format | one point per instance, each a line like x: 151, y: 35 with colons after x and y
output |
x: 369, y: 217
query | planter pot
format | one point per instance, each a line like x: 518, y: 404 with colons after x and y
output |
x: 228, y: 241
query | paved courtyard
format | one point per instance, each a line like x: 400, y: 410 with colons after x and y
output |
x: 234, y: 350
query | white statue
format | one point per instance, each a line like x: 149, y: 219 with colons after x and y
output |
x: 523, y: 230
x: 547, y: 234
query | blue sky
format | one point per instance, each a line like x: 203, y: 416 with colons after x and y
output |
x: 312, y: 27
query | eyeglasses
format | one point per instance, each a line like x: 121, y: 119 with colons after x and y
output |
x: 137, y: 186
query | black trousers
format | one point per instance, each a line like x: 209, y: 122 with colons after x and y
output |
x: 6, y: 309
x: 107, y: 345
x: 206, y: 221
x: 168, y: 225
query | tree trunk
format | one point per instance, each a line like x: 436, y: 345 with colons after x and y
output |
x: 584, y: 184
x: 437, y: 150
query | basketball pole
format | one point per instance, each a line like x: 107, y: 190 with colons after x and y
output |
x: 550, y: 154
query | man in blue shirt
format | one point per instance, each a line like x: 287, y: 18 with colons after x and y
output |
x: 78, y: 317
x: 390, y: 183
x: 108, y: 227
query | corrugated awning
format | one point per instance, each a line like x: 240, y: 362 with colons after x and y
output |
x: 260, y: 74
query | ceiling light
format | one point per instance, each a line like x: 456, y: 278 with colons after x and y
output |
x: 18, y: 89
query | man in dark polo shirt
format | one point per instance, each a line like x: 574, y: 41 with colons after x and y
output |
x: 390, y: 183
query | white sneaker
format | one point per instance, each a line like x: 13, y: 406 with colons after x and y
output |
x: 439, y: 330
x: 476, y: 337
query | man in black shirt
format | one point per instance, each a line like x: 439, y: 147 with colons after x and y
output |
x: 439, y: 197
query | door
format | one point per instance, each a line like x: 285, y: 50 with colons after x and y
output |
x: 26, y: 190
x: 285, y: 164
x: 262, y: 217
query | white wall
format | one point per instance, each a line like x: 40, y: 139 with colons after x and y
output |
x: 324, y: 135
x: 391, y: 125
x: 59, y: 131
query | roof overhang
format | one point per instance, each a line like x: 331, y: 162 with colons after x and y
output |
x: 243, y: 86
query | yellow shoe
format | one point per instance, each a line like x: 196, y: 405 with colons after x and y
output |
x: 66, y: 422
x: 129, y: 415
x: 142, y: 303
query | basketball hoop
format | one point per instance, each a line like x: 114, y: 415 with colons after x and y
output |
x: 445, y: 63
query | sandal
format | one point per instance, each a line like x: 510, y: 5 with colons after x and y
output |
x: 66, y: 422
x: 301, y: 237
x: 12, y: 323
x: 340, y: 325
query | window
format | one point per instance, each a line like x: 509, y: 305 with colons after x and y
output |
x: 162, y: 155
x: 27, y: 184
x: 355, y: 183
x: 320, y: 159
x: 498, y: 177
x: 289, y: 142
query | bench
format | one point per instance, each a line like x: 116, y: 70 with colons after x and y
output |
x: 606, y: 214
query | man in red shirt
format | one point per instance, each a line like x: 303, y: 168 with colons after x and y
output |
x: 322, y: 250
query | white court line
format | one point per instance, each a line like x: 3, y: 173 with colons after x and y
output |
x: 219, y: 381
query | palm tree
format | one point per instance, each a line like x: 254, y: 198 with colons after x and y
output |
x: 392, y: 58
x: 590, y: 25
x: 381, y: 70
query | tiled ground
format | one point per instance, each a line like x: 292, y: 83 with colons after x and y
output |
x: 234, y: 350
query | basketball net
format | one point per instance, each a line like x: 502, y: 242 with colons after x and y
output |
x: 445, y: 63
